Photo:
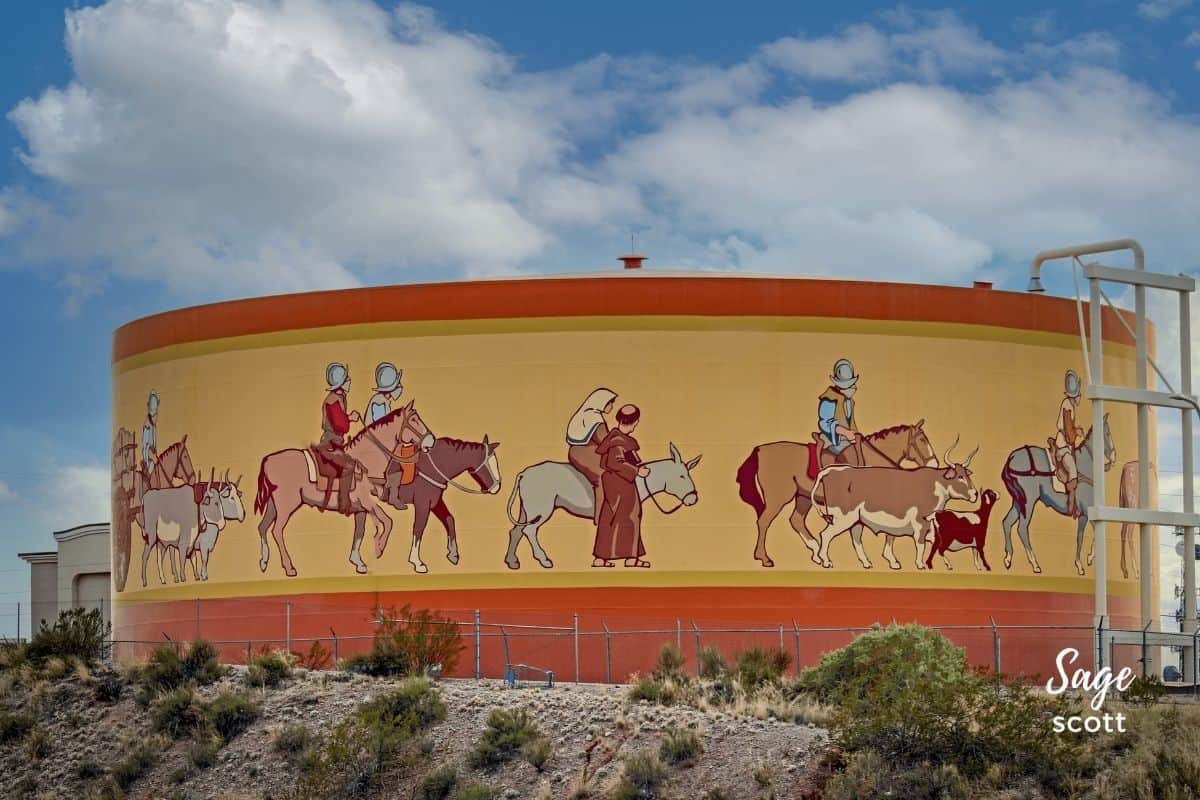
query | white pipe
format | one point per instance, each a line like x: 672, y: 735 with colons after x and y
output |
x: 1139, y: 256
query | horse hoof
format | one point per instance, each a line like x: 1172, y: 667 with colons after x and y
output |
x: 1008, y: 562
x: 547, y: 564
x: 1091, y: 558
x: 514, y: 564
x: 452, y: 558
x: 420, y: 569
x: 290, y: 571
x: 1037, y: 570
x: 360, y: 568
x: 765, y: 561
x: 262, y: 566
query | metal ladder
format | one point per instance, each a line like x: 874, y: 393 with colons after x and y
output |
x: 1099, y: 393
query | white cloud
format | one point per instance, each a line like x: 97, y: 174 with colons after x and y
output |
x: 252, y: 145
x: 7, y: 494
x: 1161, y: 9
x: 1193, y: 39
x: 74, y: 496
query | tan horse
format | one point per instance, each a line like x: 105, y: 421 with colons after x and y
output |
x: 1128, y: 498
x: 285, y: 484
x: 776, y: 474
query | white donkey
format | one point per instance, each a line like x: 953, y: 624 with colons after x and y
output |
x: 543, y: 488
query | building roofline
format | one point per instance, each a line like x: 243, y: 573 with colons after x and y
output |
x: 46, y: 557
x: 79, y: 531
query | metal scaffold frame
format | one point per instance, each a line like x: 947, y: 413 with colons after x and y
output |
x: 1144, y: 398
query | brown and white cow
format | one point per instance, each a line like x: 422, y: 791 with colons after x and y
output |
x: 896, y: 502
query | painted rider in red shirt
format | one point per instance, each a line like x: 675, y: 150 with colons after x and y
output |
x: 335, y: 424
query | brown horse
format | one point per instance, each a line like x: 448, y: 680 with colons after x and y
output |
x: 287, y: 480
x: 437, y: 469
x: 776, y: 474
x: 1128, y: 498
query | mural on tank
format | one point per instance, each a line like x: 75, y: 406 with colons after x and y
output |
x: 1055, y: 475
x: 604, y: 480
x: 392, y: 460
x: 179, y: 516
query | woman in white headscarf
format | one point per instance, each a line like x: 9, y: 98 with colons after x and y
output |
x: 585, y: 432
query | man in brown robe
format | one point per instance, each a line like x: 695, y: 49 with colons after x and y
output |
x: 619, y: 532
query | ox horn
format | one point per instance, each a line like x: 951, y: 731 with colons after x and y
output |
x: 946, y: 458
x: 238, y: 481
x: 212, y: 475
x: 226, y: 475
x: 967, y: 464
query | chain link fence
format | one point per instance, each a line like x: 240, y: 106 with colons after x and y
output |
x: 586, y: 647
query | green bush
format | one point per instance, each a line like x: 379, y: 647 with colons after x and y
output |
x: 438, y: 784
x: 177, y: 713
x: 758, y: 666
x: 291, y: 740
x: 537, y: 752
x: 107, y: 688
x: 14, y: 726
x: 203, y: 752
x: 201, y: 663
x: 669, y: 665
x: 229, y: 714
x: 1157, y: 757
x: 718, y: 793
x: 1144, y: 690
x: 76, y: 635
x: 163, y: 671
x: 712, y: 663
x: 370, y: 742
x: 642, y: 777
x: 908, y: 694
x: 87, y: 769
x: 139, y: 758
x: 409, y: 642
x: 268, y: 668
x: 646, y: 689
x: 38, y: 744
x: 681, y: 746
x: 474, y: 791
x: 506, y: 732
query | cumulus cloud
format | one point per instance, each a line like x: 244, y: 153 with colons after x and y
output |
x: 75, y: 495
x: 244, y: 146
x: 1157, y: 10
x: 7, y: 494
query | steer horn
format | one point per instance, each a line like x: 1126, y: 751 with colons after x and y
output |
x: 967, y: 465
x: 946, y: 458
x: 212, y: 475
x: 237, y: 482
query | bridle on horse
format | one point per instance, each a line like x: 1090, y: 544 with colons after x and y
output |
x: 909, y: 448
x: 654, y: 498
x: 450, y: 481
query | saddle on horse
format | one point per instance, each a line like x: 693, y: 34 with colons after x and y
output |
x: 401, y: 471
x: 820, y: 456
x: 339, y: 476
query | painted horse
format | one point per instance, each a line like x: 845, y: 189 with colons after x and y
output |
x: 288, y: 479
x: 437, y: 469
x: 543, y: 488
x: 779, y: 473
x: 1029, y: 477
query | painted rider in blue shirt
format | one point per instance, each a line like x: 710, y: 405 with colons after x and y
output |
x: 835, y: 414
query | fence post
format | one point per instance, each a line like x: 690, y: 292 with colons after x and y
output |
x: 18, y: 622
x: 507, y: 659
x: 333, y: 633
x: 995, y: 649
x: 477, y: 644
x: 1145, y: 650
x: 575, y: 625
x: 607, y: 653
x: 1100, y: 645
x: 1195, y: 662
x: 288, y: 644
x: 679, y: 635
x: 696, y: 633
x: 796, y: 632
x: 247, y: 653
x: 781, y: 647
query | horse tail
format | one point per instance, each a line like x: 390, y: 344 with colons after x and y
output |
x: 1020, y: 500
x: 266, y: 489
x: 515, y: 494
x: 819, y: 501
x: 747, y: 481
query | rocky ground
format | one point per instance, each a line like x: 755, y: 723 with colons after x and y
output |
x: 588, y: 725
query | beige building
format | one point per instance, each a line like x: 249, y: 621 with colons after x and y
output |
x: 74, y: 575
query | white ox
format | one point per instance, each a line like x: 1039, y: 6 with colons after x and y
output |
x: 896, y: 502
x: 222, y: 502
x: 186, y: 520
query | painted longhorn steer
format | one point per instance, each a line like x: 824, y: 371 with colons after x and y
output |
x: 896, y: 502
x: 222, y: 502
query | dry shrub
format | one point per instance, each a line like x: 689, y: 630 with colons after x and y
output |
x: 508, y: 730
x: 409, y: 642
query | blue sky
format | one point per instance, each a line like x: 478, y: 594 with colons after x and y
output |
x: 165, y: 152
